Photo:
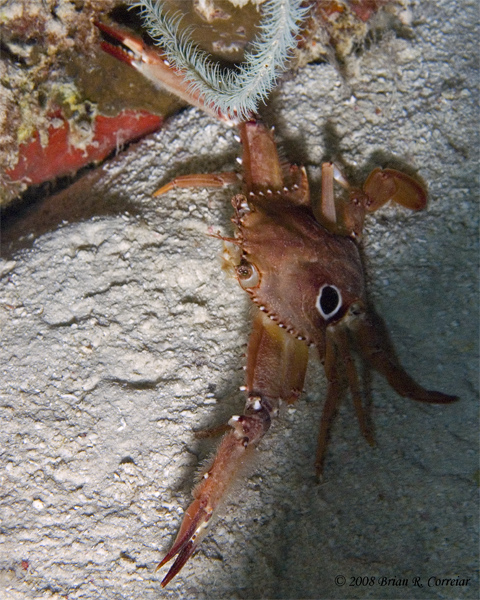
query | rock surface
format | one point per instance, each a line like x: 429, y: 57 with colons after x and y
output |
x: 120, y: 335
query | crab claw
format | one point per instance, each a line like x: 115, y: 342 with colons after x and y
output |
x: 130, y: 49
x: 212, y: 490
x: 153, y: 64
x: 236, y: 450
x: 383, y: 185
x: 192, y: 531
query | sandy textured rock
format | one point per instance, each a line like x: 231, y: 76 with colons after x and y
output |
x: 120, y: 335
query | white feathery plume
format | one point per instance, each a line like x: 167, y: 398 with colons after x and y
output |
x: 236, y: 93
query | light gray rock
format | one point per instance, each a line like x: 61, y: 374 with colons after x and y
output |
x: 121, y: 335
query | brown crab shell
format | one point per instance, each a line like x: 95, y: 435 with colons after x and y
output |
x: 288, y: 240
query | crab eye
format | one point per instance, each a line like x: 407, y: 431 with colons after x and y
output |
x: 248, y: 276
x: 329, y: 301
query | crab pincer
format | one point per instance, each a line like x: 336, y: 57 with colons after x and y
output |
x: 153, y: 64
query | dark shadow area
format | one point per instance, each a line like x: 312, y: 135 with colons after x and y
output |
x: 378, y: 158
x: 44, y: 208
x: 208, y: 431
x: 128, y: 15
x: 40, y: 214
x: 354, y: 175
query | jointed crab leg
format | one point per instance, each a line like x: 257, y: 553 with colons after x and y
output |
x: 275, y: 371
x: 372, y: 340
x: 276, y: 363
x: 210, y: 180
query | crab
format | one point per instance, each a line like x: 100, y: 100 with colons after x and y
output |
x: 301, y: 266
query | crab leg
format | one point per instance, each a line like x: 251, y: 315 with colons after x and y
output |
x: 337, y: 351
x: 152, y: 63
x: 328, y: 209
x: 330, y: 406
x: 210, y: 180
x: 381, y: 186
x: 261, y: 165
x: 276, y: 369
x: 373, y: 342
x: 371, y: 339
x: 276, y: 362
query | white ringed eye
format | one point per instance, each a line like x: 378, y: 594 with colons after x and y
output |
x: 248, y: 276
x: 329, y: 301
